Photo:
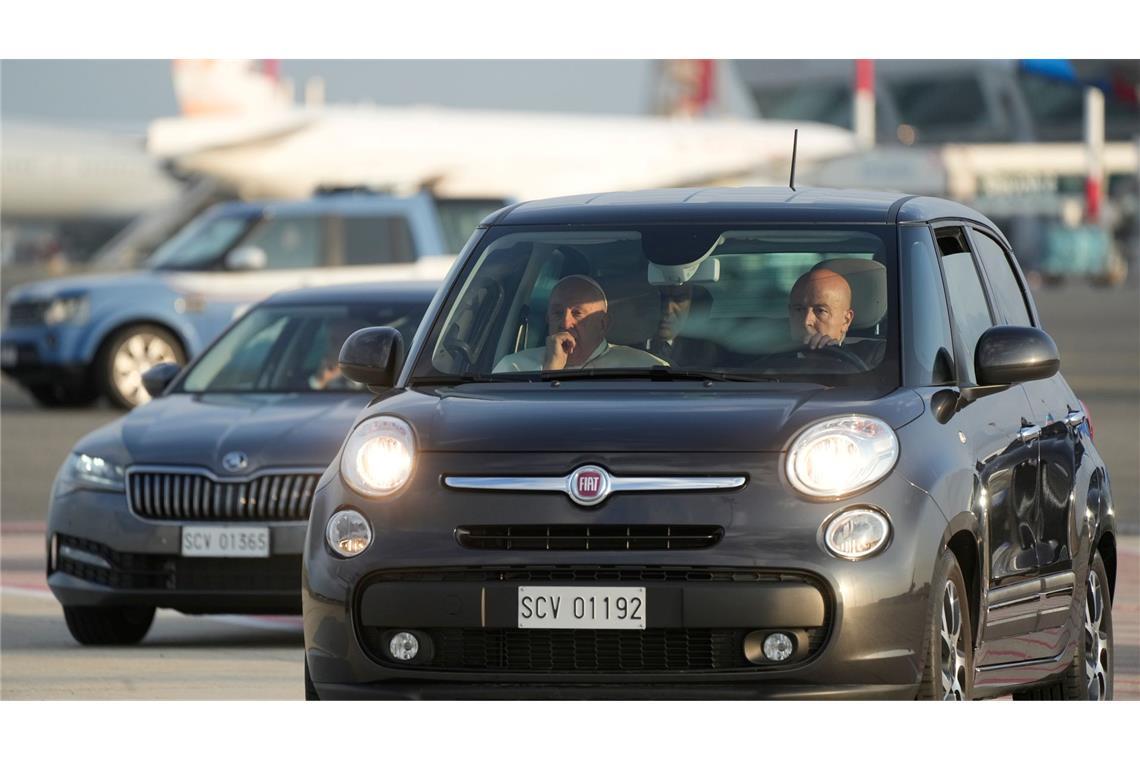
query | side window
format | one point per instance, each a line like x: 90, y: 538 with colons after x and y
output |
x: 377, y: 240
x: 289, y: 243
x: 971, y: 312
x: 1007, y: 291
x: 929, y: 346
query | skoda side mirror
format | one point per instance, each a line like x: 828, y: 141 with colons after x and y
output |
x: 157, y: 378
x: 1010, y: 354
x: 373, y: 356
x: 247, y: 258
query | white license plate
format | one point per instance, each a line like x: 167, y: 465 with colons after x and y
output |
x: 581, y: 607
x: 9, y: 356
x: 225, y: 541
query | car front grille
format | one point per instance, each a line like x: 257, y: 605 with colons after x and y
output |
x: 98, y: 563
x: 588, y: 537
x: 27, y: 312
x: 190, y: 496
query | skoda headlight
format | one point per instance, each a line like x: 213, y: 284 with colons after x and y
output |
x: 92, y: 472
x: 378, y: 456
x: 66, y: 309
x: 842, y: 455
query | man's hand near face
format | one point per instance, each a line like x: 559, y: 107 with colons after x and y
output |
x: 819, y: 340
x: 559, y: 346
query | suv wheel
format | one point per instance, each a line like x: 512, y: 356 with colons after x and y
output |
x: 1089, y: 675
x: 108, y: 625
x: 949, y: 670
x: 127, y: 355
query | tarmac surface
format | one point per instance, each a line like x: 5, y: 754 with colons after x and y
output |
x: 247, y: 657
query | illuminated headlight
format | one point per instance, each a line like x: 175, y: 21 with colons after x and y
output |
x: 91, y: 472
x: 68, y: 309
x: 841, y: 455
x: 378, y: 456
x: 348, y: 533
x: 857, y: 533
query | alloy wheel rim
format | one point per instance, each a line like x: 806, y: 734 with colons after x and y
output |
x: 1096, y: 640
x: 953, y: 660
x: 135, y: 356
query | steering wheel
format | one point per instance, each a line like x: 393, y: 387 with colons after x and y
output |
x: 835, y: 353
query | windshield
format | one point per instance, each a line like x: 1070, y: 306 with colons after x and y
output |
x: 293, y: 348
x: 806, y: 304
x: 201, y: 242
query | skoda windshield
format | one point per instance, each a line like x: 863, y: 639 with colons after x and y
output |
x: 292, y: 348
x: 792, y: 303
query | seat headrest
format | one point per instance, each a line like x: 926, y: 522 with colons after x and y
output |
x: 868, y: 281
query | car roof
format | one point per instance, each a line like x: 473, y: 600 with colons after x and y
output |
x: 358, y: 293
x: 736, y: 205
x: 339, y: 203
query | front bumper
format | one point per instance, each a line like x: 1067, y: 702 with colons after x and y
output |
x: 864, y: 621
x: 38, y: 354
x: 101, y: 554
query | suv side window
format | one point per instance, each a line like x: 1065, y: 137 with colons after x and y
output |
x: 1007, y: 291
x: 928, y: 354
x: 289, y: 243
x: 970, y: 311
x: 377, y: 240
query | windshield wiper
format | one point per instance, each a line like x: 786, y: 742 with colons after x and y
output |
x: 457, y: 379
x: 657, y: 372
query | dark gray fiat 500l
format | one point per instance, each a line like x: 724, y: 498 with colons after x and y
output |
x: 198, y: 501
x: 717, y: 443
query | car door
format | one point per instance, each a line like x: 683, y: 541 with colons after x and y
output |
x: 1004, y: 443
x: 1057, y: 415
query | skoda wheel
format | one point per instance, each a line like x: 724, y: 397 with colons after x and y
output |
x: 102, y: 626
x: 127, y: 355
x: 949, y: 671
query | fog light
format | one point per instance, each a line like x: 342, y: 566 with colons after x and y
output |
x: 348, y: 533
x: 778, y: 647
x: 857, y: 533
x: 404, y: 646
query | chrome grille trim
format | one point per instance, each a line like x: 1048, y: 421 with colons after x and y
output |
x: 196, y: 494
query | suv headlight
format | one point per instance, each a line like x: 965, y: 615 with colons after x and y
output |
x: 66, y: 309
x: 378, y: 457
x: 91, y: 472
x: 842, y: 455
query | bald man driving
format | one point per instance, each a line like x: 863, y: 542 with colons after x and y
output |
x: 819, y: 309
x: 577, y: 318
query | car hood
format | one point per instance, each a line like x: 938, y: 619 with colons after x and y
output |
x: 89, y: 283
x: 198, y: 430
x: 589, y: 418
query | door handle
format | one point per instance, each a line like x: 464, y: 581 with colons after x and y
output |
x: 1029, y: 433
x: 1074, y: 419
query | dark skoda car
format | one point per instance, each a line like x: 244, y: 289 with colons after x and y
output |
x: 717, y: 443
x: 199, y: 500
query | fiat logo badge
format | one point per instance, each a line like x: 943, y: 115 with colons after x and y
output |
x: 235, y: 461
x: 589, y: 485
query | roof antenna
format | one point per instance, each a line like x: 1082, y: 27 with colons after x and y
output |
x: 795, y: 142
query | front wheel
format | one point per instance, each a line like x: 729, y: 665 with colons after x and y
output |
x: 949, y: 670
x: 127, y: 355
x: 1089, y: 675
x: 103, y: 626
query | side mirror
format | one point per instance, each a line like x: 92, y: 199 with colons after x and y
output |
x: 373, y: 356
x: 1010, y: 354
x: 247, y: 258
x: 158, y: 377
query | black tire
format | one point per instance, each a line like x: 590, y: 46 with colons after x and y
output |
x: 311, y: 694
x: 108, y: 626
x: 108, y: 383
x: 939, y: 660
x: 57, y: 395
x: 1075, y: 682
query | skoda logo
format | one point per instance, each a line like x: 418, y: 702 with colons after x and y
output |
x: 235, y: 461
x: 589, y: 485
